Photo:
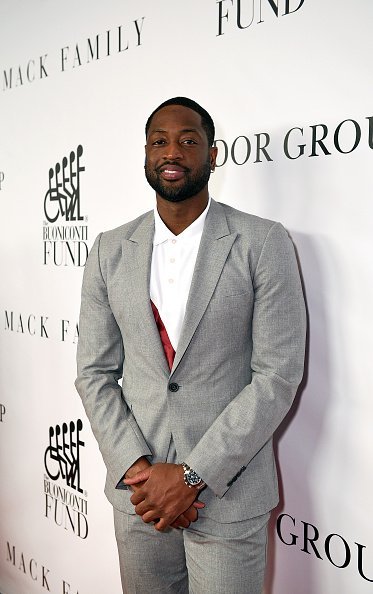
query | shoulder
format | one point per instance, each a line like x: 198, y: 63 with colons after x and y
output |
x: 112, y: 239
x: 241, y: 220
x: 259, y: 237
x: 248, y: 226
x: 126, y: 230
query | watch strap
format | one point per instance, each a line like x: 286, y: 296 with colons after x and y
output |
x: 191, y: 478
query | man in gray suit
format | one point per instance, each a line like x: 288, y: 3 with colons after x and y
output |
x: 198, y: 307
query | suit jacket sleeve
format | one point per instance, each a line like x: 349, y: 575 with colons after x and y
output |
x: 278, y: 334
x: 100, y: 359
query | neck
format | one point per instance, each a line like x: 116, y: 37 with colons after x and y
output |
x: 177, y: 216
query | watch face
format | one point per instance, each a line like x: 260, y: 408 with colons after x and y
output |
x: 193, y: 478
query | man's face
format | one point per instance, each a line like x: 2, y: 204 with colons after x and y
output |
x: 178, y: 159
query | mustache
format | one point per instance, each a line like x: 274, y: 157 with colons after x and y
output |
x: 158, y: 169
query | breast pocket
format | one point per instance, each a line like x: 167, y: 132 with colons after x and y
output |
x: 232, y: 302
x: 229, y: 320
x: 232, y: 314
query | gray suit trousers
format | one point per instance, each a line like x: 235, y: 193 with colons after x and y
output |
x: 207, y: 558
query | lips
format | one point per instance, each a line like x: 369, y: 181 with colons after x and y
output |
x: 172, y: 172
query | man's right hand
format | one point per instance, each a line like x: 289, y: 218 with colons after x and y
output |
x: 187, y: 517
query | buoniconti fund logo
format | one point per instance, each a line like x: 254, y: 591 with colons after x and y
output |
x: 65, y: 500
x: 65, y: 232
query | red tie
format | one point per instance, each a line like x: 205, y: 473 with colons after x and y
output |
x: 167, y: 346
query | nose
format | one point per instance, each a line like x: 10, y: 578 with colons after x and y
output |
x: 173, y: 151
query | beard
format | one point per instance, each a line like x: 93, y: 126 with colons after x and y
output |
x: 192, y: 183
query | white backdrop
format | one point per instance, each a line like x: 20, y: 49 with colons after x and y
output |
x: 267, y: 71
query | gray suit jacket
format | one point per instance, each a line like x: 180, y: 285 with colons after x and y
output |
x: 237, y: 366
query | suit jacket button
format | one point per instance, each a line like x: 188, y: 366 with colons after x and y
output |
x: 173, y: 387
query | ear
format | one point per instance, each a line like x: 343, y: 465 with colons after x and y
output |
x: 213, y: 156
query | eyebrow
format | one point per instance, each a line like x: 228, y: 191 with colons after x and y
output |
x: 181, y: 131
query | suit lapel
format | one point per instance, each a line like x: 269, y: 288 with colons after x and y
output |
x: 216, y: 243
x: 137, y: 250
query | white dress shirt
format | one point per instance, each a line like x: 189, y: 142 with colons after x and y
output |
x: 173, y: 261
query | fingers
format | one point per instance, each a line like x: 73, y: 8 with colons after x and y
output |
x: 139, y: 477
x: 181, y: 522
x: 161, y: 525
x: 191, y: 514
x: 148, y: 517
x: 137, y: 497
x: 148, y: 514
x: 134, y: 488
x: 143, y: 508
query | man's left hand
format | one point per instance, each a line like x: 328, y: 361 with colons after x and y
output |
x: 164, y: 494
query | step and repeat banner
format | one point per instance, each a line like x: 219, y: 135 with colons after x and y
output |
x: 289, y: 84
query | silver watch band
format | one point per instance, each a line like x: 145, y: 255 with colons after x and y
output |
x: 191, y: 478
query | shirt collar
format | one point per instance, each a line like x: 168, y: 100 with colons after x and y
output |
x: 162, y: 233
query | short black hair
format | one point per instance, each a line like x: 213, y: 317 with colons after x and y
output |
x: 206, y: 119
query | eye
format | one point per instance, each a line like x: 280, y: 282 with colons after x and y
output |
x: 189, y: 141
x: 159, y: 141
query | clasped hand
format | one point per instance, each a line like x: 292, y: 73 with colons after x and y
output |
x: 161, y: 496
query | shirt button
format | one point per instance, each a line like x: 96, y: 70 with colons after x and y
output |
x: 170, y: 280
x: 173, y: 387
x: 173, y: 241
x: 172, y: 260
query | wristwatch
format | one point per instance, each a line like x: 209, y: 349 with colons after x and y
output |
x: 191, y: 478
